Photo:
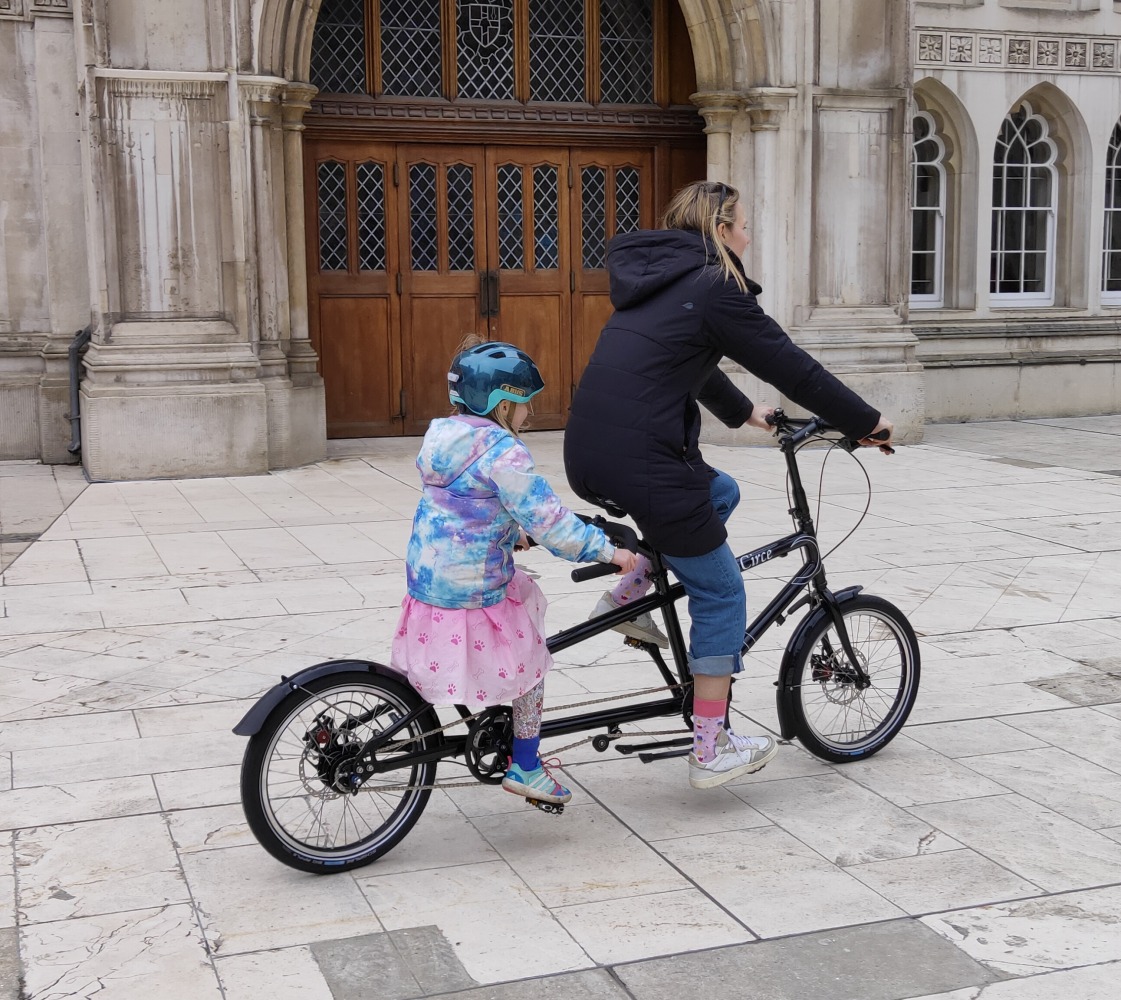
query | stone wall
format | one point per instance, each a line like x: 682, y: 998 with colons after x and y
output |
x: 44, y: 295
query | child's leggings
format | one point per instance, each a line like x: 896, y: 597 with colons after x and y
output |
x: 527, y: 713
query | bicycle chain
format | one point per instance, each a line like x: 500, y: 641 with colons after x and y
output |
x: 553, y: 708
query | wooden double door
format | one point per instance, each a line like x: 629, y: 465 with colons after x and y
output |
x: 411, y: 247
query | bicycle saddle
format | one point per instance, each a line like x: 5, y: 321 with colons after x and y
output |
x: 612, y: 508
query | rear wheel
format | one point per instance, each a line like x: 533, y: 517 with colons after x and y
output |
x: 832, y: 714
x: 307, y: 795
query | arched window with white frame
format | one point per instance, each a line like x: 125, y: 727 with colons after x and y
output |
x: 1025, y: 194
x: 1111, y: 239
x: 928, y: 213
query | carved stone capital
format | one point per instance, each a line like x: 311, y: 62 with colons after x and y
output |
x: 767, y: 106
x: 717, y: 108
x: 262, y: 98
x: 295, y: 103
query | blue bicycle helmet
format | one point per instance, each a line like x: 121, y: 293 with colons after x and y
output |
x: 484, y: 375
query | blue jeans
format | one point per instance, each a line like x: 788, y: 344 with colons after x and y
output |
x: 717, y: 602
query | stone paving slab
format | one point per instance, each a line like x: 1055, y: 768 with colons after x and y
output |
x: 147, y: 617
x: 883, y: 961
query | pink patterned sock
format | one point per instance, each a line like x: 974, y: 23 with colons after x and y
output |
x: 633, y: 585
x: 708, y: 720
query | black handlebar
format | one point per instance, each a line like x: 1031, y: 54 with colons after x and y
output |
x: 620, y: 535
x: 800, y: 428
x: 592, y: 570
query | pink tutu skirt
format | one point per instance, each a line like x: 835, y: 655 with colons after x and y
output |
x: 475, y: 656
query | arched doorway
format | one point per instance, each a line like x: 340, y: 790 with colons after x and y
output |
x: 465, y: 164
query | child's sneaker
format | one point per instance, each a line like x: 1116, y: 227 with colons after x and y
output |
x: 641, y: 627
x: 538, y: 784
x: 735, y: 756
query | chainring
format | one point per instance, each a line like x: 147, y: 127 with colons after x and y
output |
x: 490, y: 741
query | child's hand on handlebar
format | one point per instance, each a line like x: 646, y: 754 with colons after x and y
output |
x: 625, y: 559
x: 880, y: 437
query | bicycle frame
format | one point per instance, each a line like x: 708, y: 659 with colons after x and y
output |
x: 810, y: 577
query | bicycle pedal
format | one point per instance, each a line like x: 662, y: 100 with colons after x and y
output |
x: 634, y: 643
x: 547, y: 807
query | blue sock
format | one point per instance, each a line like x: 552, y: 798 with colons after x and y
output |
x: 525, y: 752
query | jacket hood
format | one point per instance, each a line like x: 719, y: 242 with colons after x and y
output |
x: 454, y: 444
x: 642, y: 263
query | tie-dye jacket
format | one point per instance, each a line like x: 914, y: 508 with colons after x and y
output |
x: 479, y: 486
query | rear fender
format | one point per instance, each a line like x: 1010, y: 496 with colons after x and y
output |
x: 251, y: 724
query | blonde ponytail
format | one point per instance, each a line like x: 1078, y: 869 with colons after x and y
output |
x: 701, y: 207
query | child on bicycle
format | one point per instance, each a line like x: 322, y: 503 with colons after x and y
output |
x: 472, y: 627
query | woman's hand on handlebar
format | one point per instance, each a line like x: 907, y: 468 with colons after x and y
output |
x: 759, y: 417
x: 879, y: 439
x: 625, y: 559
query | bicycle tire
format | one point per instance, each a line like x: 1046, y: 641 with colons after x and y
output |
x: 830, y: 715
x: 283, y: 767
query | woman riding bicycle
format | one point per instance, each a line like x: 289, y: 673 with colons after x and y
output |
x: 682, y: 303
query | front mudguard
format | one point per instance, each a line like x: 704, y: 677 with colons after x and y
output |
x: 787, y: 682
x: 251, y: 723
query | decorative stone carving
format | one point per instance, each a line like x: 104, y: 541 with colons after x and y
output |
x: 11, y: 8
x: 1085, y: 54
x: 1074, y: 55
x: 990, y: 49
x: 961, y: 48
x: 930, y: 48
x: 1047, y: 52
x: 1019, y: 51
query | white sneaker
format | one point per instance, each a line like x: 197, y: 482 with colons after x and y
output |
x: 735, y: 756
x: 641, y: 627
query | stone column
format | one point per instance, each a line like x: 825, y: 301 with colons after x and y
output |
x: 718, y: 108
x: 302, y: 360
x: 297, y: 413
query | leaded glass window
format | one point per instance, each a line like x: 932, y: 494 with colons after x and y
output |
x: 370, y: 178
x: 331, y: 177
x: 484, y: 49
x: 556, y: 50
x: 928, y: 212
x: 593, y: 217
x: 1025, y: 183
x: 338, y: 49
x: 410, y: 48
x: 627, y: 205
x: 470, y: 49
x: 461, y: 218
x: 422, y: 217
x: 1111, y: 250
x: 546, y: 220
x: 626, y: 42
x: 511, y: 249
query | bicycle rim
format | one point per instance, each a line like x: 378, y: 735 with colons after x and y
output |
x: 309, y: 816
x: 840, y: 716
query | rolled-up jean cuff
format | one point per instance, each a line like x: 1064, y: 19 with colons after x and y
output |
x: 723, y: 665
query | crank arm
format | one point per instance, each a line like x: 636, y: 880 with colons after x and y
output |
x: 629, y: 748
x: 646, y: 758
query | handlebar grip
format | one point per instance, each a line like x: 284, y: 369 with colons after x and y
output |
x: 591, y: 571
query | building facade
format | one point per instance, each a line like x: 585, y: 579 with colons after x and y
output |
x: 277, y: 217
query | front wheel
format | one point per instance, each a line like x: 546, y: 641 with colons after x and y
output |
x: 830, y: 712
x: 304, y: 784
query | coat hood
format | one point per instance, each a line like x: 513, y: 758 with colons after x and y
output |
x: 453, y: 444
x: 642, y: 263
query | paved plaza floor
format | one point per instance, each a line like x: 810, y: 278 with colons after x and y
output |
x: 978, y: 856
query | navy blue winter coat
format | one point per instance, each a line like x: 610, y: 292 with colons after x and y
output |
x: 632, y: 434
